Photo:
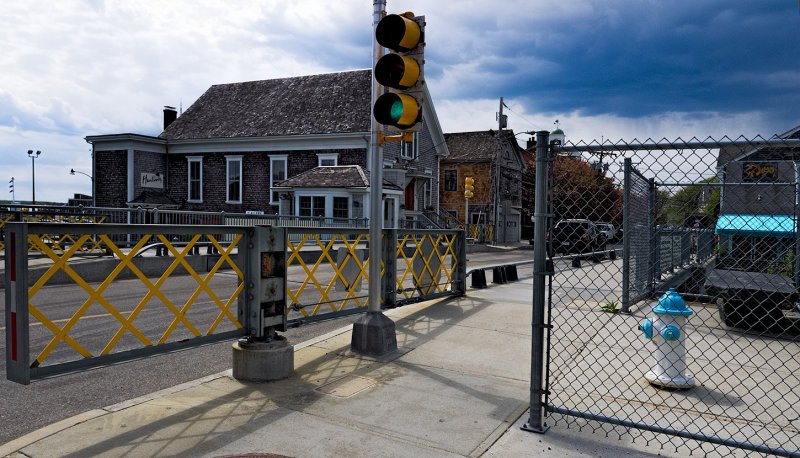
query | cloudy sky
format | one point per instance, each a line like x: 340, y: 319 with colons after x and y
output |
x: 605, y: 68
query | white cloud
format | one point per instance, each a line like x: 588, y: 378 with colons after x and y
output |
x: 82, y: 67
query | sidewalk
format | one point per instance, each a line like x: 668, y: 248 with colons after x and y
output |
x: 457, y: 386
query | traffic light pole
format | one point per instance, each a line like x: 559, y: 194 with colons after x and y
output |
x: 374, y: 333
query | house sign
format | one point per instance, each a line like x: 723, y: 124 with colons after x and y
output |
x: 152, y: 180
x: 760, y: 171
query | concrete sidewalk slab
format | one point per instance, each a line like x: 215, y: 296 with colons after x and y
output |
x: 457, y: 386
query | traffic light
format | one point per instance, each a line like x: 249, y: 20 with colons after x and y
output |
x: 468, y: 187
x: 399, y: 109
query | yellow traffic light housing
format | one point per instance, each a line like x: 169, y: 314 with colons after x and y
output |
x: 468, y: 187
x: 400, y: 72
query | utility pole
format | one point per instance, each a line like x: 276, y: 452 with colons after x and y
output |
x: 11, y: 187
x: 502, y: 122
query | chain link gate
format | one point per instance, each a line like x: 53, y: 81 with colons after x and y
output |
x: 717, y: 222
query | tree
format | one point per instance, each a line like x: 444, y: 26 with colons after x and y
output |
x: 578, y: 191
x: 693, y: 201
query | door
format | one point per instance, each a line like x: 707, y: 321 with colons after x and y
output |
x: 409, y: 195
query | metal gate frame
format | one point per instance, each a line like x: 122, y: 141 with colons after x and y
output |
x: 19, y: 366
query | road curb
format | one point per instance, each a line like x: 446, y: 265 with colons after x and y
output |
x: 20, y: 443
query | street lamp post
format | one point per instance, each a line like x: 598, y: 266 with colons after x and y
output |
x: 73, y: 172
x: 33, y: 156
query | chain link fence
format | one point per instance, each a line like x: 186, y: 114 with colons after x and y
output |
x: 695, y: 331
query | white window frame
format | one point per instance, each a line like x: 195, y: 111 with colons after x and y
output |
x: 327, y: 196
x: 321, y: 157
x: 228, y: 161
x: 410, y: 150
x: 272, y: 160
x: 426, y: 194
x: 189, y: 161
x: 349, y: 206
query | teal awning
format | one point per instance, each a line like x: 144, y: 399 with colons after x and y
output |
x: 761, y: 225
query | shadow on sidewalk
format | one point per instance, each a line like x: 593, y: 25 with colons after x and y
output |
x: 231, y: 410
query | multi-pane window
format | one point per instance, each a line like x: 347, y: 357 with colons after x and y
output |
x: 277, y: 167
x: 341, y: 207
x: 195, y: 179
x: 410, y: 150
x: 451, y: 180
x: 234, y: 180
x: 312, y: 205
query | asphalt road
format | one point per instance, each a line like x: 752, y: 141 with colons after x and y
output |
x: 26, y: 408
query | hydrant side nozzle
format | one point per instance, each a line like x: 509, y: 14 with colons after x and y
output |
x: 671, y: 333
x: 647, y: 328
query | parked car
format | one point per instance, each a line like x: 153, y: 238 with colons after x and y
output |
x: 610, y: 231
x: 578, y: 236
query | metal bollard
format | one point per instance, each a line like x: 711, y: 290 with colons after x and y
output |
x: 667, y: 331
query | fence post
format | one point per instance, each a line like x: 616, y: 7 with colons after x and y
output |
x: 264, y: 355
x: 626, y: 237
x: 389, y: 278
x: 17, y: 315
x: 460, y: 283
x: 652, y: 236
x: 535, y: 421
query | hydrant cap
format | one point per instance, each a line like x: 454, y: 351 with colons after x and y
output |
x: 671, y: 303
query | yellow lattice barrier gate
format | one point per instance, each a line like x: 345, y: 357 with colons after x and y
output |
x: 66, y: 313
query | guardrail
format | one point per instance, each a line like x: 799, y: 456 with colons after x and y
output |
x: 105, y: 215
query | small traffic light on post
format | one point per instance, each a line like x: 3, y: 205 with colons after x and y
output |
x: 401, y: 72
x: 468, y: 187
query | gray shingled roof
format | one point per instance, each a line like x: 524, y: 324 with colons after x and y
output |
x: 341, y: 176
x: 314, y: 104
x: 730, y: 153
x: 480, y: 146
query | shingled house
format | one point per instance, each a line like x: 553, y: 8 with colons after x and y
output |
x: 758, y: 212
x: 237, y: 147
x: 494, y: 160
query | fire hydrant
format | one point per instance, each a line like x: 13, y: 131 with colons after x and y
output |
x: 667, y: 331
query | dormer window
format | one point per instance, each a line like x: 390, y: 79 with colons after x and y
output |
x: 327, y: 159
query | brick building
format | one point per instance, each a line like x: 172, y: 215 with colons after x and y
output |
x: 230, y: 150
x: 495, y: 162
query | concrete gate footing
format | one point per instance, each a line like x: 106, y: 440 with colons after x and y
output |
x: 263, y: 361
x: 373, y: 335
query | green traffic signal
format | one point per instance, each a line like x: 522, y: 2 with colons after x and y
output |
x: 399, y: 110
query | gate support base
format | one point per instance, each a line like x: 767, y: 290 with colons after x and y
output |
x: 257, y: 361
x: 373, y: 335
x: 540, y: 430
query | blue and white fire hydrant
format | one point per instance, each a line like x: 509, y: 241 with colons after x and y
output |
x: 667, y: 331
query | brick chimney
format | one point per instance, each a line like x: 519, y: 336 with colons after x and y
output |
x: 170, y: 115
